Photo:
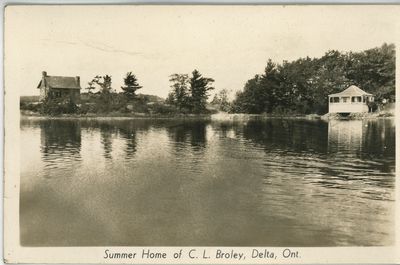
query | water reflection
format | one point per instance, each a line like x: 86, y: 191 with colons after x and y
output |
x: 257, y: 183
x: 125, y: 130
x: 346, y: 136
x: 363, y: 151
x: 189, y: 142
x: 58, y: 137
x: 60, y: 143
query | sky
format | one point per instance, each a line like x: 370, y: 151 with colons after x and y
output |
x: 227, y: 43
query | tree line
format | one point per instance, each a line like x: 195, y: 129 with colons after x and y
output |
x: 104, y: 82
x: 302, y: 86
x: 189, y: 94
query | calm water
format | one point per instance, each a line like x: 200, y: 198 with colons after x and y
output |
x: 168, y: 183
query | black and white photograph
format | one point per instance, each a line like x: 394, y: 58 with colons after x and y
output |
x: 235, y: 126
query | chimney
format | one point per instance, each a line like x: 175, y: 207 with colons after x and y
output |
x: 78, y: 80
x: 44, y: 74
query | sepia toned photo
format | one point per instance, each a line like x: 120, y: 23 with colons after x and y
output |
x: 258, y: 133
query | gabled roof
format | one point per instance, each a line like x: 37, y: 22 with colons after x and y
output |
x: 351, y: 91
x: 61, y: 82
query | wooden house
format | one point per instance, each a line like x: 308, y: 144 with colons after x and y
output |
x: 59, y: 87
x: 350, y: 100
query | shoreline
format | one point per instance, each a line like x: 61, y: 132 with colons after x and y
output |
x: 116, y: 117
x: 210, y: 117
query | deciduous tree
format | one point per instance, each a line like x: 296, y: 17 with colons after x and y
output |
x: 179, y: 96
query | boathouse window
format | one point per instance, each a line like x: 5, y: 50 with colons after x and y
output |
x: 345, y: 99
x: 356, y: 99
x: 334, y: 99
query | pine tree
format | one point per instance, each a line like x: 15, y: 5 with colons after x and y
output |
x: 199, y: 87
x: 131, y: 85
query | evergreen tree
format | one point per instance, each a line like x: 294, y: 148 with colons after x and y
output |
x: 199, y: 87
x: 131, y: 85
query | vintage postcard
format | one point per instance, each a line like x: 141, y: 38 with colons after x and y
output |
x: 204, y: 134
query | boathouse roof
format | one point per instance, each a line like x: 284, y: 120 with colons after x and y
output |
x: 351, y: 91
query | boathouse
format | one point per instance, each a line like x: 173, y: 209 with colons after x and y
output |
x: 351, y: 100
x: 59, y: 87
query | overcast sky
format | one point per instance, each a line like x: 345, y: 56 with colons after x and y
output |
x: 228, y: 43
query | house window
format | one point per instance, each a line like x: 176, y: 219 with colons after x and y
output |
x: 345, y: 99
x: 55, y: 94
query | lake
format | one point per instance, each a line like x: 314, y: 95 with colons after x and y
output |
x: 276, y: 182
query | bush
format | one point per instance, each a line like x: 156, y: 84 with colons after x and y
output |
x: 160, y: 108
x: 55, y: 107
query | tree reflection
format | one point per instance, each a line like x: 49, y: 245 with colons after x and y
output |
x: 293, y: 135
x: 129, y: 133
x: 224, y: 129
x: 193, y: 133
x: 106, y: 139
x: 379, y: 137
x: 198, y: 135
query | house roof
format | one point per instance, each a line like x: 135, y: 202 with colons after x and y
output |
x: 351, y: 91
x: 61, y: 82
